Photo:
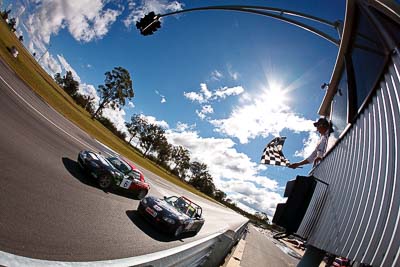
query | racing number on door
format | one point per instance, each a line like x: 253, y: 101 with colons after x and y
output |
x: 126, y: 183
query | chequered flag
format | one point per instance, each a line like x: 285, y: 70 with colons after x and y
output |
x: 272, y: 154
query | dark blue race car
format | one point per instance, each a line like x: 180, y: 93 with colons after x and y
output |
x: 174, y: 215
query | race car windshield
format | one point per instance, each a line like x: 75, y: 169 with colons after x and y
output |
x: 184, y: 207
x: 120, y: 165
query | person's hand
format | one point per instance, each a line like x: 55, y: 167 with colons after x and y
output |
x: 294, y: 165
x: 317, y: 160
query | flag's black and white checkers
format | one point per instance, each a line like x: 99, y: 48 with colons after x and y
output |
x: 272, y: 154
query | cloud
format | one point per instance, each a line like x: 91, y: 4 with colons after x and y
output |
x: 117, y: 117
x: 223, y: 159
x: 163, y: 124
x: 254, y: 198
x: 234, y: 75
x: 207, y: 109
x: 181, y: 127
x: 225, y: 91
x: 311, y: 142
x: 205, y: 95
x: 265, y: 113
x: 86, y: 20
x: 157, y: 6
x: 66, y: 66
x: 51, y: 65
x: 163, y: 99
x: 195, y: 97
x: 205, y: 92
x: 216, y: 75
x: 89, y: 90
x: 130, y: 104
x: 309, y: 145
x: 232, y: 171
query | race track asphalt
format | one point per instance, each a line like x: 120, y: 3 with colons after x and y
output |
x: 50, y: 210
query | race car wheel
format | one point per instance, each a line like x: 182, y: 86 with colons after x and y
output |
x: 197, y: 230
x: 178, y: 231
x: 105, y: 181
x: 142, y: 193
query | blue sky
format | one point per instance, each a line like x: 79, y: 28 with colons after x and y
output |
x: 223, y: 84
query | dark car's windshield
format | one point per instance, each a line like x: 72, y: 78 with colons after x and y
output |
x: 120, y: 165
x: 182, y: 205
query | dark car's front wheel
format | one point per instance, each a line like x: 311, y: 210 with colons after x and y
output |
x: 142, y: 193
x: 105, y: 181
x: 198, y: 229
x: 178, y: 231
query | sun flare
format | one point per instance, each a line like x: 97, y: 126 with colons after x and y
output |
x: 276, y: 95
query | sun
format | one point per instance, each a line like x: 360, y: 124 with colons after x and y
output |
x: 276, y: 95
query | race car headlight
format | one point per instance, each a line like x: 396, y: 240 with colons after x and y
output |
x: 94, y: 164
x: 157, y: 208
x: 169, y: 220
x: 115, y: 174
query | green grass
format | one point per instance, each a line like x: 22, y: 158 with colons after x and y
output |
x: 27, y: 68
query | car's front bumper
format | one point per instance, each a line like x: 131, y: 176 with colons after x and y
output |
x: 156, y: 219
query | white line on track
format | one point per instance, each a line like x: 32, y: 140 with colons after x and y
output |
x: 114, y: 153
x: 38, y: 112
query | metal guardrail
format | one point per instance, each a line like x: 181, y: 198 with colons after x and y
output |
x: 207, y: 252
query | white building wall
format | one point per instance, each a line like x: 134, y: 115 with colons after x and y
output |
x: 358, y: 215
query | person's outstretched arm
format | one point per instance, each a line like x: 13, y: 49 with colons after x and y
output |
x: 298, y: 164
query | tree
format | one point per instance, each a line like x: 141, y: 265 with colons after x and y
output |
x: 181, y: 157
x: 136, y: 125
x: 59, y: 79
x: 150, y: 136
x: 85, y: 101
x: 12, y: 23
x: 70, y: 85
x: 219, y: 195
x: 201, y: 179
x: 164, y: 150
x: 262, y: 216
x: 116, y: 89
x: 5, y: 14
x: 67, y: 83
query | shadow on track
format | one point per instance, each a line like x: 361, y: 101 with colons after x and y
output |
x: 76, y: 171
x: 150, y: 230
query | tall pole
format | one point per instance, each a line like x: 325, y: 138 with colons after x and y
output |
x: 44, y: 53
x: 276, y: 13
